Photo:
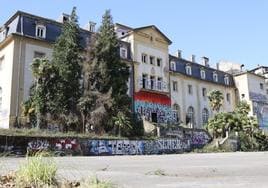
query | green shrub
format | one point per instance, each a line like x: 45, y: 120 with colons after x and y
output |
x: 39, y: 171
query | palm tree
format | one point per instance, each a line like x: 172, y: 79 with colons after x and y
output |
x: 121, y: 121
x: 216, y: 100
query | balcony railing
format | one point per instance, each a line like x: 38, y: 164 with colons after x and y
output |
x: 152, y: 85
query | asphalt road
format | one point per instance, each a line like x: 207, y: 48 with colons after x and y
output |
x: 228, y: 170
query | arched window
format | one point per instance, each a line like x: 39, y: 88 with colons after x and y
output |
x: 177, y: 111
x: 190, y: 117
x: 1, y: 92
x: 205, y: 115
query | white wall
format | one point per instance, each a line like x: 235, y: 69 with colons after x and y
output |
x: 196, y: 100
x: 147, y: 68
x: 5, y: 83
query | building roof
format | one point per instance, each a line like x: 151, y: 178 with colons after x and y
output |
x: 24, y: 24
x: 248, y: 72
x: 259, y: 67
x: 196, y: 68
x: 144, y: 27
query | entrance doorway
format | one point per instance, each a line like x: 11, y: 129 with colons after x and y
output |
x: 154, y: 117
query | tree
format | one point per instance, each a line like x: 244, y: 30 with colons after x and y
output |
x: 38, y: 105
x: 121, y: 121
x: 106, y: 76
x: 66, y: 58
x: 215, y: 99
x: 243, y: 108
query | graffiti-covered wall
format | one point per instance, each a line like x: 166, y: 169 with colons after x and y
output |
x: 152, y: 105
x: 260, y: 108
x: 261, y: 111
x: 181, y: 141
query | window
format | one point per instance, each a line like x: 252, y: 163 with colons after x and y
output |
x: 215, y: 77
x: 261, y: 86
x: 152, y: 78
x: 1, y: 62
x: 152, y: 60
x: 188, y: 70
x: 228, y: 97
x: 203, y: 74
x: 226, y: 80
x: 204, y: 92
x: 177, y: 114
x: 172, y: 65
x: 190, y: 89
x: 159, y: 83
x: 175, y: 85
x: 144, y: 81
x: 159, y: 62
x: 1, y: 93
x: 39, y: 54
x: 144, y: 58
x: 205, y: 116
x: 40, y: 31
x: 123, y: 53
x: 190, y: 117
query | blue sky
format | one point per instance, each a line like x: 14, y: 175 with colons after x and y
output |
x: 221, y: 30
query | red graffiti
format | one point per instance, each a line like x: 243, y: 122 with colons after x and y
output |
x: 152, y: 98
x: 62, y: 144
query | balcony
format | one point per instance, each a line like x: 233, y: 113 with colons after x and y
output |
x: 148, y: 84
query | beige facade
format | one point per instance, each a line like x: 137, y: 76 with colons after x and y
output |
x: 251, y: 88
x: 16, y: 77
x: 148, y: 42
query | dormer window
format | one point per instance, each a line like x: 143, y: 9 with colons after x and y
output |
x: 173, y: 66
x: 188, y: 70
x: 203, y: 74
x: 226, y: 80
x: 215, y: 77
x: 40, y: 31
x: 123, y: 53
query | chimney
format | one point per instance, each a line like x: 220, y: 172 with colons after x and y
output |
x: 205, y: 61
x: 64, y: 17
x: 192, y: 59
x: 178, y: 54
x: 91, y: 26
x: 218, y: 66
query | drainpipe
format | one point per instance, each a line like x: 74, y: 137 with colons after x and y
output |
x: 19, y: 71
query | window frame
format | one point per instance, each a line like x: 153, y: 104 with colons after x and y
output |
x: 205, y: 116
x: 203, y: 74
x: 226, y: 80
x: 42, y: 28
x: 175, y: 86
x: 261, y: 86
x: 121, y: 50
x: 2, y: 59
x: 144, y: 58
x: 159, y: 61
x: 215, y: 77
x: 190, y: 89
x: 188, y: 70
x: 228, y: 97
x: 152, y: 60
